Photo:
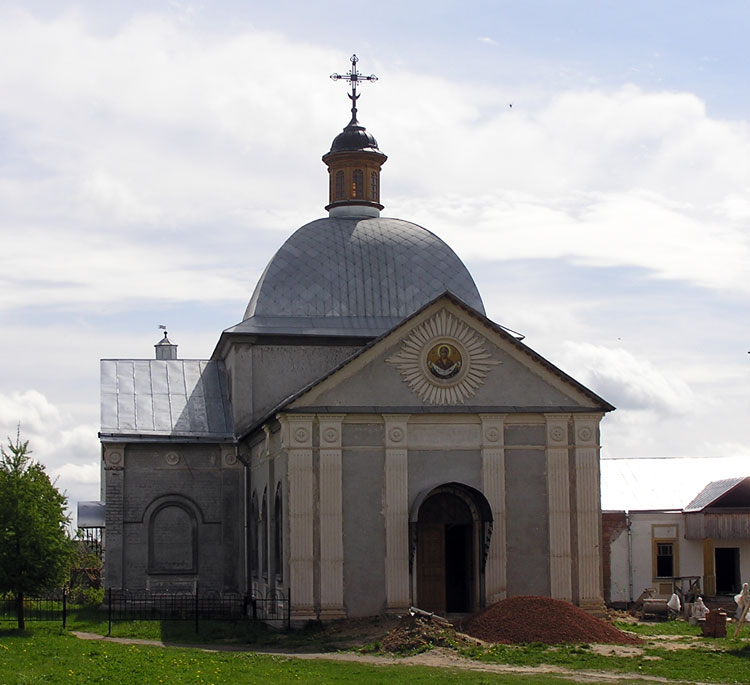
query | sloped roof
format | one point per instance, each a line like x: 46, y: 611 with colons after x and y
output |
x: 660, y: 483
x: 165, y: 398
x: 720, y: 490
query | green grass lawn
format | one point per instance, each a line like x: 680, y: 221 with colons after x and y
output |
x: 47, y: 654
x: 50, y: 655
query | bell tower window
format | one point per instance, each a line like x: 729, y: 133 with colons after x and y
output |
x: 339, y: 191
x: 373, y: 186
x: 358, y: 183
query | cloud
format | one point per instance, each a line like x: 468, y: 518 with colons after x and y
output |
x: 30, y: 409
x: 487, y: 40
x: 627, y: 381
x: 68, y: 452
x: 156, y: 159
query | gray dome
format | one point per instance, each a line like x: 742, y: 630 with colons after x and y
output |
x: 354, y: 138
x: 363, y: 274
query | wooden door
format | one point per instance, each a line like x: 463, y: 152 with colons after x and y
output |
x: 431, y: 567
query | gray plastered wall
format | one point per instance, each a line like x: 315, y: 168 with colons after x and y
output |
x: 262, y: 375
x: 363, y: 520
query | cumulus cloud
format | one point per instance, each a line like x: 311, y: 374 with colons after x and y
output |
x: 627, y: 381
x: 69, y: 453
x: 154, y: 158
x: 29, y: 409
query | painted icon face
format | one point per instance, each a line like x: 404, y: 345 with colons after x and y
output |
x: 444, y: 361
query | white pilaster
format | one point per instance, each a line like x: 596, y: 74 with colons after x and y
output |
x: 331, y: 518
x: 396, y: 511
x: 588, y: 500
x: 558, y: 506
x: 297, y: 436
x: 493, y: 487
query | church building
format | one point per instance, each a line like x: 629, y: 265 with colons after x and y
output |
x: 365, y: 439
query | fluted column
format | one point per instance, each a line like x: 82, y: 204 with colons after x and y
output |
x: 493, y: 487
x: 331, y: 518
x: 558, y: 507
x: 396, y: 511
x: 297, y: 435
x: 588, y: 501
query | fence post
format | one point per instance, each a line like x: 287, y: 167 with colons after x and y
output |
x: 109, y: 613
x: 65, y: 608
x: 196, y: 608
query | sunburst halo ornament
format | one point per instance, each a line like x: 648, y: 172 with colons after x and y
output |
x: 443, y: 360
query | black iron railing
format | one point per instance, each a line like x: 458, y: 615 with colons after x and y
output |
x: 50, y: 607
x: 144, y: 605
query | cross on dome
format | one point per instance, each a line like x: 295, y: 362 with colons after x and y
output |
x: 353, y: 77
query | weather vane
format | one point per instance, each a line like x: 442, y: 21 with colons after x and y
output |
x: 354, y: 77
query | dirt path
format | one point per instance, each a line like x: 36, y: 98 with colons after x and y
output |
x: 438, y: 658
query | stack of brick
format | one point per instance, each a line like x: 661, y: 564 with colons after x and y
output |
x: 715, y: 624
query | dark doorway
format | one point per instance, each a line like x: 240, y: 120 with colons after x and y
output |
x: 458, y: 567
x: 727, y: 570
x: 445, y: 554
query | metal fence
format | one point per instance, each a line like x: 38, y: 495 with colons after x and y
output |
x: 271, y: 607
x: 51, y: 607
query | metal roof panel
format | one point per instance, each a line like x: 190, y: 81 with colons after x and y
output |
x: 165, y: 398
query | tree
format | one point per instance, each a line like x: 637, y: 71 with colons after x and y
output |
x: 34, y: 544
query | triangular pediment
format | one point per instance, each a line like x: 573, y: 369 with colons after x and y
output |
x: 448, y: 357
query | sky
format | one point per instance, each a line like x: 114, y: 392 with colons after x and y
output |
x: 588, y: 161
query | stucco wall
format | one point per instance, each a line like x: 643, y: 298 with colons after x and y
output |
x: 689, y: 554
x: 364, y: 529
x: 260, y: 376
x: 527, y: 522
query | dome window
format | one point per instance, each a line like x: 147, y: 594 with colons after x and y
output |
x: 374, y: 186
x: 358, y: 183
x: 339, y: 185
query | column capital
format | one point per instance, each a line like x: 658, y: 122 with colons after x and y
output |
x: 493, y: 430
x: 557, y: 429
x: 296, y: 430
x: 114, y: 457
x: 329, y: 430
x: 396, y: 430
x: 585, y: 433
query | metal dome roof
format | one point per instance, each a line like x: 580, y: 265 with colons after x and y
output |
x: 354, y: 138
x: 352, y: 274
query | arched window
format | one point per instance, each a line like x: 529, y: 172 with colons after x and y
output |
x: 278, y: 536
x: 253, y: 542
x: 172, y: 540
x: 358, y: 184
x: 264, y: 534
x: 339, y: 191
x: 374, y: 186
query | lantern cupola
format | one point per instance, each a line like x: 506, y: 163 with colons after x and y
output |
x: 354, y: 161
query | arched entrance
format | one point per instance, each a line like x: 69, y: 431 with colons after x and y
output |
x: 451, y: 528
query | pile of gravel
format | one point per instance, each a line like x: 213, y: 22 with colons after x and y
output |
x: 541, y: 619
